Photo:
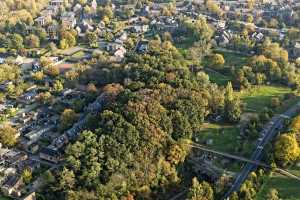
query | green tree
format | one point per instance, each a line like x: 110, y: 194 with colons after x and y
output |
x: 67, y: 119
x: 67, y: 179
x: 16, y: 42
x: 232, y: 108
x: 234, y: 196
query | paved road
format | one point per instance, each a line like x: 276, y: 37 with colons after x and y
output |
x: 267, y: 134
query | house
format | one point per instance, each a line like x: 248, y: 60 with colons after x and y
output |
x: 68, y: 20
x: 77, y: 8
x: 35, y: 66
x: 112, y: 47
x: 5, y: 85
x: 29, y: 164
x: 221, y: 24
x: 14, y: 158
x: 11, y: 186
x: 36, y: 134
x: 94, y: 5
x: 120, y: 54
x: 2, y: 60
x: 50, y: 154
x: 40, y: 21
x: 140, y: 28
x: 50, y: 11
x: 142, y: 46
x: 30, y: 196
x: 296, y: 50
x: 145, y: 11
x: 52, y: 32
x: 28, y: 97
x: 60, y: 141
x: 56, y: 3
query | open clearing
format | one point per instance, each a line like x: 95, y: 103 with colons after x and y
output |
x: 260, y: 97
x: 222, y: 137
x: 288, y: 188
x: 232, y: 58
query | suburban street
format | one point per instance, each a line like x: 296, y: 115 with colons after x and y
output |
x: 267, y: 134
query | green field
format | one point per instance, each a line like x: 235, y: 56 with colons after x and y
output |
x: 258, y: 98
x: 217, y: 77
x: 232, y: 58
x: 3, y: 198
x: 224, y: 137
x: 289, y: 189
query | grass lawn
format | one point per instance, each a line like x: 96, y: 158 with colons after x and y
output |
x: 224, y: 137
x: 233, y: 58
x: 287, y: 188
x: 260, y: 97
x: 217, y: 77
x: 4, y: 198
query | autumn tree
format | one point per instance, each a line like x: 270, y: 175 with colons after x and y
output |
x: 287, y: 149
x: 216, y: 61
x: 8, y: 135
x: 92, y: 39
x: 200, y: 191
x: 32, y: 41
x: 27, y: 175
x: 273, y: 194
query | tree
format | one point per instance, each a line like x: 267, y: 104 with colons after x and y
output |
x: 67, y: 179
x: 38, y: 76
x: 67, y: 39
x: 275, y: 102
x: 92, y: 39
x: 67, y: 119
x: 213, y: 8
x: 295, y: 125
x: 181, y: 126
x: 273, y: 194
x: 32, y: 41
x: 91, y: 88
x: 200, y: 191
x: 234, y: 196
x: 63, y: 44
x: 58, y: 86
x: 27, y: 175
x: 216, y: 61
x: 52, y: 70
x: 16, y: 41
x: 232, y: 107
x: 45, y: 98
x: 275, y: 52
x: 287, y: 149
x: 8, y: 135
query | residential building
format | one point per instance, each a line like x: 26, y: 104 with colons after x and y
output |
x: 56, y: 3
x: 68, y: 20
x: 50, y: 154
x: 11, y: 186
x: 296, y: 50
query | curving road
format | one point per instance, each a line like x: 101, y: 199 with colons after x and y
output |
x: 269, y: 132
